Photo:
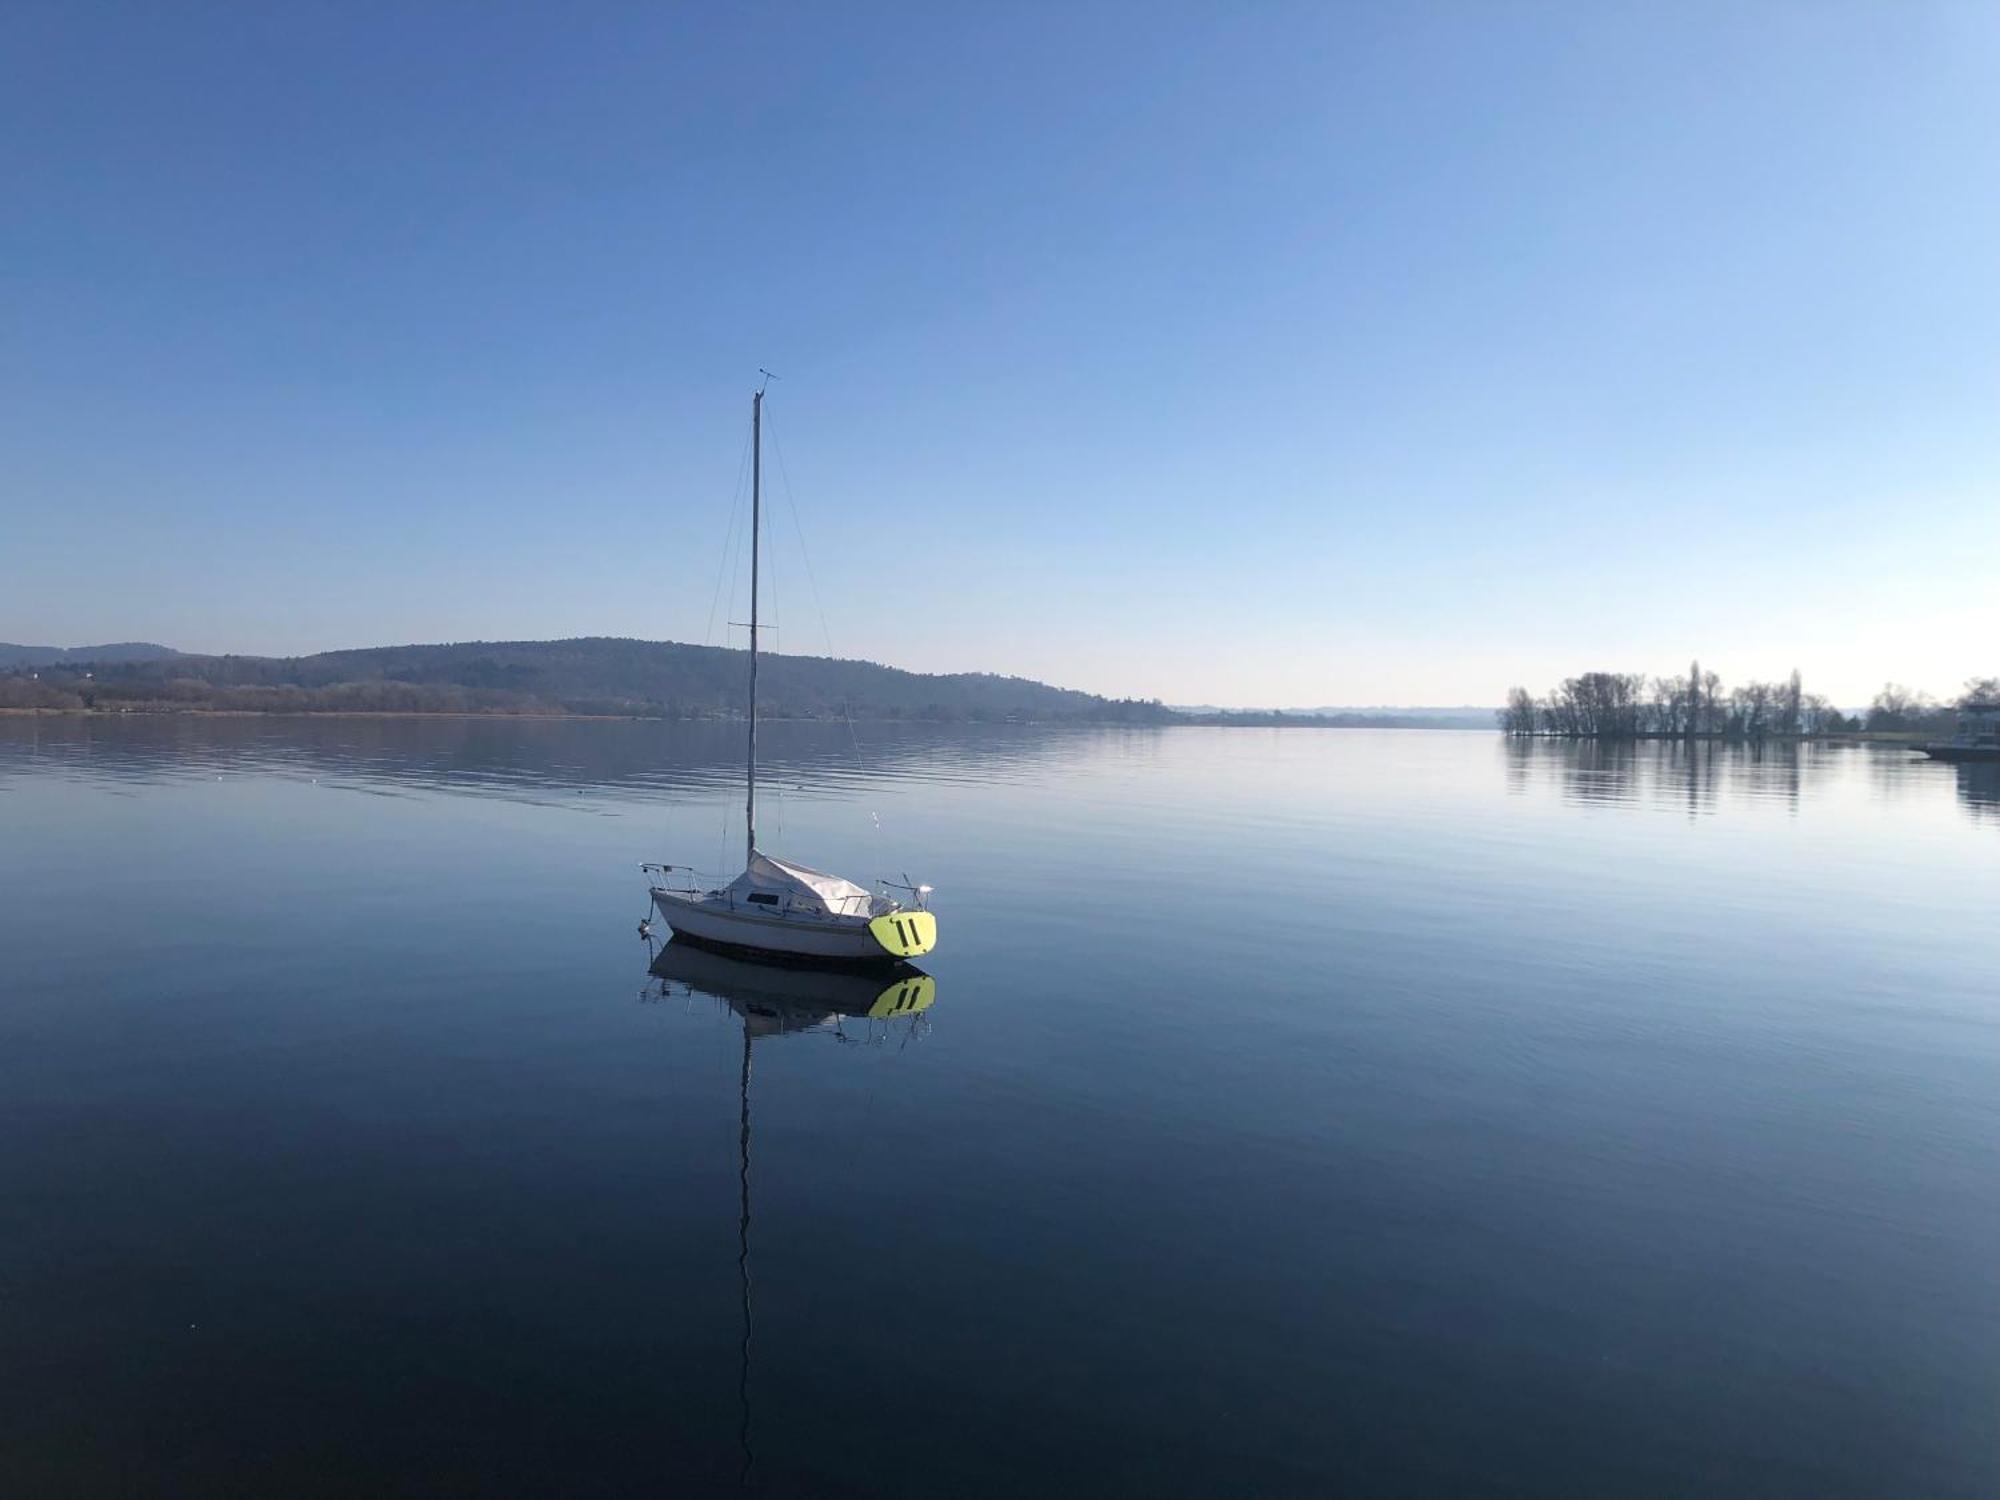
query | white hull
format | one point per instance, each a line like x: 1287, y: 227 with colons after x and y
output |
x: 830, y: 939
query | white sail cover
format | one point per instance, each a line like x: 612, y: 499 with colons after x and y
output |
x: 798, y: 888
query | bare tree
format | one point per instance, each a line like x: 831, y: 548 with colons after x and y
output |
x: 1597, y: 705
x: 1559, y: 714
x: 1622, y: 705
x: 1711, y: 701
x: 1750, y: 710
x: 1788, y: 704
x: 1817, y: 716
x: 1519, y: 716
x: 1980, y: 692
x: 1667, y: 710
x: 1896, y: 707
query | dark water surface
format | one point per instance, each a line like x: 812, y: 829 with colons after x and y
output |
x: 1295, y: 1112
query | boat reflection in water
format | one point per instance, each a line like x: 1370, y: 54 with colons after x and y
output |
x: 775, y: 999
x: 782, y: 1000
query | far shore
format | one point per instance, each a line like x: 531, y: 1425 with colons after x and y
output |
x: 1187, y: 722
x: 1842, y: 737
x: 1831, y: 737
x: 280, y: 713
x: 1181, y: 723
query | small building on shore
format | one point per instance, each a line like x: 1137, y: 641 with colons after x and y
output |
x: 1978, y: 736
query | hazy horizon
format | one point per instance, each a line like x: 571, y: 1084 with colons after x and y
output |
x: 1299, y: 355
x: 1324, y: 706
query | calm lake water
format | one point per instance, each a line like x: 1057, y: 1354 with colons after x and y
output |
x: 1294, y: 1112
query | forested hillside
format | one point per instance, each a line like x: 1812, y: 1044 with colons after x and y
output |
x: 12, y: 655
x: 591, y: 675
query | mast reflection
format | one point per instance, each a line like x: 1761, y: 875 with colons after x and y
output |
x: 773, y: 1001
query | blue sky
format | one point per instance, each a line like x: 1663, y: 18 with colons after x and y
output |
x: 1238, y: 354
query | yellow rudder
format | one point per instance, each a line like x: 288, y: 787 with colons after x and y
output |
x: 905, y: 934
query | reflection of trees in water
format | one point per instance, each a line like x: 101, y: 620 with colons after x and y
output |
x: 1895, y: 773
x: 528, y: 759
x: 1889, y: 768
x: 1603, y: 771
x: 1775, y: 771
x: 1518, y: 757
x: 1979, y: 789
x: 1701, y: 777
x: 1692, y: 777
x: 1616, y: 771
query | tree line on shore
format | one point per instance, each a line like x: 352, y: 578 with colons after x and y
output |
x: 588, y: 676
x: 1631, y: 705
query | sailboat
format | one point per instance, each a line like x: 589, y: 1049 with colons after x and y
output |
x: 777, y: 908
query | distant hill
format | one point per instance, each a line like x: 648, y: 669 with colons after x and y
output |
x: 1457, y: 713
x: 1347, y: 716
x: 119, y: 651
x: 591, y: 675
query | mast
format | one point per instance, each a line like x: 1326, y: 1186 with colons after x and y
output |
x: 756, y: 517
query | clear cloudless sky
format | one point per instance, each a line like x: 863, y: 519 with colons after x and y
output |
x: 1244, y: 354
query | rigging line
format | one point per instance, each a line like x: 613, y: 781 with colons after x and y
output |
x: 774, y: 610
x: 734, y: 567
x: 728, y: 540
x: 785, y: 479
x: 812, y: 581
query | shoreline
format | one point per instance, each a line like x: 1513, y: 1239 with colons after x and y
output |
x: 1838, y: 737
x: 418, y: 713
x: 1205, y: 723
x: 1848, y: 737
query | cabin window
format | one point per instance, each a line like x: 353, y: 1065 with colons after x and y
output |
x: 763, y: 898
